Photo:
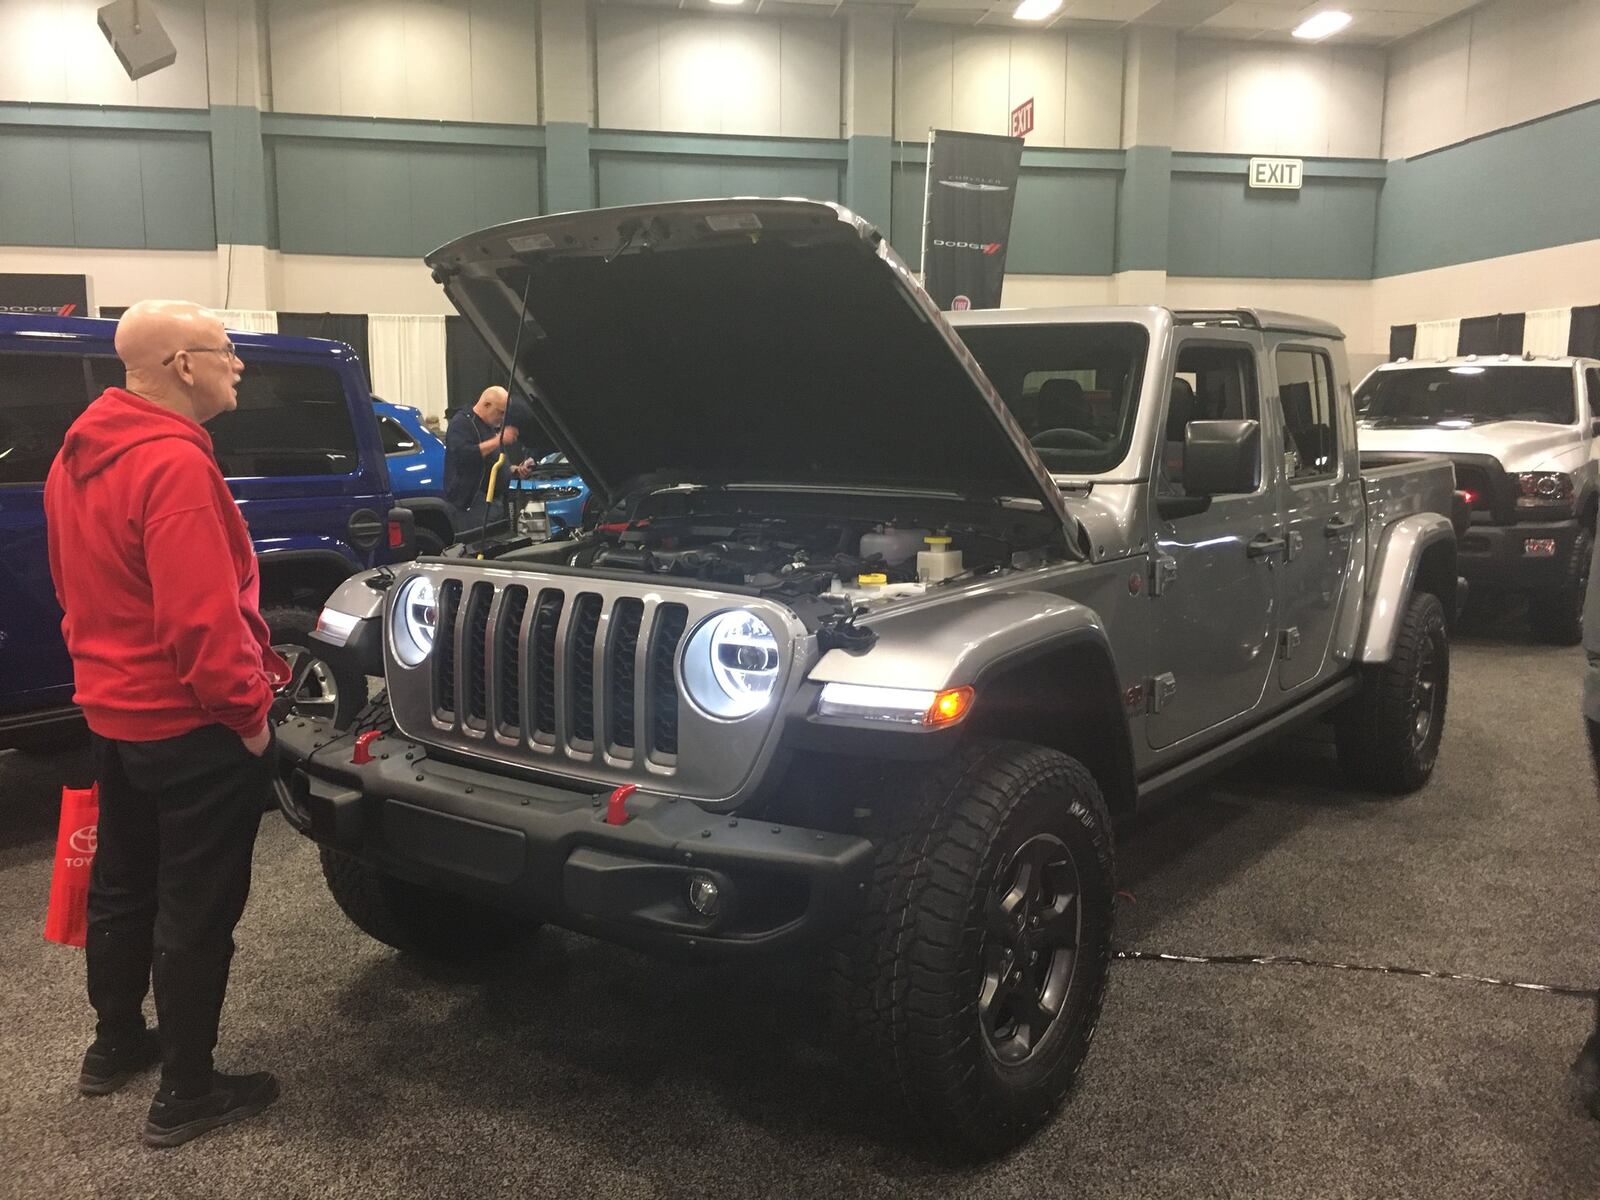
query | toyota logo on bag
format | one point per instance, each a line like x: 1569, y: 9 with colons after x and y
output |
x: 85, y: 840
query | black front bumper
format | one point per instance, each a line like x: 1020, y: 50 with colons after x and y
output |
x: 1496, y: 555
x: 548, y: 853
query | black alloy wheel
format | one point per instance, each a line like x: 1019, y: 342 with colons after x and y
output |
x: 1425, y: 694
x: 1034, y: 928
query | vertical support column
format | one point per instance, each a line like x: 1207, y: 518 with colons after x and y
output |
x: 1144, y: 201
x: 566, y: 103
x: 241, y: 199
x: 869, y: 116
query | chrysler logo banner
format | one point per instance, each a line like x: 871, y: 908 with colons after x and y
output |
x: 45, y: 295
x: 972, y: 187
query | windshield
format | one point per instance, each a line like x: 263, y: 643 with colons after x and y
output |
x: 1074, y: 389
x: 1458, y: 397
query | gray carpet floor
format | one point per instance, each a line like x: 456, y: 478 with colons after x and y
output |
x: 572, y: 1068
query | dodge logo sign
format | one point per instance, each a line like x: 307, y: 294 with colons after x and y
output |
x: 85, y: 840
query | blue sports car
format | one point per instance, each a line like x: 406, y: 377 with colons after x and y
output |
x: 416, y: 472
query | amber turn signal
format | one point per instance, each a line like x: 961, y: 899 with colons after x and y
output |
x: 949, y: 706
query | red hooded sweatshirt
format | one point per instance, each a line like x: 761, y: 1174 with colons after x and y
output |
x: 154, y: 569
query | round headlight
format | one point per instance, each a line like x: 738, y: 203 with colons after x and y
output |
x: 414, y: 618
x: 730, y: 665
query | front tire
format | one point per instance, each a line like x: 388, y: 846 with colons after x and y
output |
x: 975, y: 977
x: 327, y: 688
x: 1557, y: 616
x: 415, y: 919
x: 1388, y: 736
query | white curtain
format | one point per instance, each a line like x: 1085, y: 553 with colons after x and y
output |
x: 249, y: 320
x: 406, y: 360
x: 1546, y: 331
x: 1437, y: 339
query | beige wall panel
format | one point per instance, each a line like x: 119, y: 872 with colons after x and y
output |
x: 981, y: 82
x: 1052, y: 291
x: 924, y: 80
x: 1559, y: 277
x: 869, y: 74
x: 1093, y: 92
x: 1427, y: 91
x: 811, y: 64
x: 1251, y: 125
x: 690, y: 89
x: 1200, y: 103
x: 629, y: 68
x: 32, y: 68
x: 1039, y: 71
x: 438, y: 65
x: 741, y: 60
x: 565, y: 57
x: 303, y: 37
x: 1355, y: 109
x: 505, y: 62
x: 372, y: 41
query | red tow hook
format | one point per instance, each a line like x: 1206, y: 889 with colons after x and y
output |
x: 363, y: 754
x: 617, y: 806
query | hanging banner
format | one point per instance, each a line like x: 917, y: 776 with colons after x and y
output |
x: 55, y: 295
x: 972, y: 189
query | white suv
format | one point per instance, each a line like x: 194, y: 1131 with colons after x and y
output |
x: 1522, y: 434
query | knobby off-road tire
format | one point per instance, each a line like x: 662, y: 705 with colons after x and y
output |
x: 1388, y: 735
x: 1557, y: 616
x: 972, y: 983
x: 415, y: 919
x: 331, y: 689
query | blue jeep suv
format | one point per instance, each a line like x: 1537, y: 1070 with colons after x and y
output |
x: 301, y: 454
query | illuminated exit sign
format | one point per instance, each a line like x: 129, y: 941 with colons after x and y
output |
x: 1277, y: 173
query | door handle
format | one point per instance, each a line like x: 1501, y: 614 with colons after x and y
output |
x: 1338, y: 527
x: 1264, y: 543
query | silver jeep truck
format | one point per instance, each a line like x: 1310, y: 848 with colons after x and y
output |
x: 1521, y: 433
x: 884, y: 623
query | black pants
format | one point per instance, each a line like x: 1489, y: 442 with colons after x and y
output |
x: 178, y: 821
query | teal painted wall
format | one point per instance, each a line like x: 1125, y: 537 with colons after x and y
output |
x: 1064, y: 222
x: 394, y: 199
x: 568, y: 177
x: 642, y: 178
x: 868, y: 169
x: 1219, y: 226
x: 239, y: 176
x: 1143, y: 208
x: 135, y: 189
x: 1526, y: 188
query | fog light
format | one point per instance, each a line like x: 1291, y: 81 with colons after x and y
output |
x: 705, y: 897
x: 1539, y: 547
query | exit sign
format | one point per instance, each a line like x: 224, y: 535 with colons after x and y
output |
x: 1277, y: 173
x: 1022, y: 118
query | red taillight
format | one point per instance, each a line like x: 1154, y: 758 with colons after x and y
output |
x: 1470, y: 497
x: 397, y: 536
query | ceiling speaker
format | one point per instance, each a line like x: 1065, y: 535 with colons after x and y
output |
x: 141, y: 45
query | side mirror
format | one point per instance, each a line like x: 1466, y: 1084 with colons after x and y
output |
x: 1594, y: 427
x: 1221, y: 458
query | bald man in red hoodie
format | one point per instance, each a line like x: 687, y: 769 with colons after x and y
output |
x: 157, y: 577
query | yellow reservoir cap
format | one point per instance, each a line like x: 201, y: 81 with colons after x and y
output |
x: 938, y: 541
x: 872, y: 580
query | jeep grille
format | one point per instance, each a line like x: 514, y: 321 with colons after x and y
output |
x: 579, y: 676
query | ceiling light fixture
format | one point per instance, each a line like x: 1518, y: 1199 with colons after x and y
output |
x: 1314, y: 29
x: 729, y: 3
x: 1036, y: 10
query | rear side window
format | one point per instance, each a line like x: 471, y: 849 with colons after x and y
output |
x: 292, y: 419
x: 395, y: 438
x: 1310, y: 416
x: 40, y: 395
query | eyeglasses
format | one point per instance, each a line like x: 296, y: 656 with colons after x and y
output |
x: 227, y: 348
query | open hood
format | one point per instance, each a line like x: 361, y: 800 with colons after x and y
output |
x: 725, y: 342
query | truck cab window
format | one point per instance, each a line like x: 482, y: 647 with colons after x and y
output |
x: 395, y: 438
x: 1311, y: 436
x: 40, y: 395
x: 1211, y: 383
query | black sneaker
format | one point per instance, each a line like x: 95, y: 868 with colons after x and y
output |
x: 174, y: 1121
x: 107, y: 1068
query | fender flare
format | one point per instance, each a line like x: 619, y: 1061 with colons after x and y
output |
x: 1394, y: 577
